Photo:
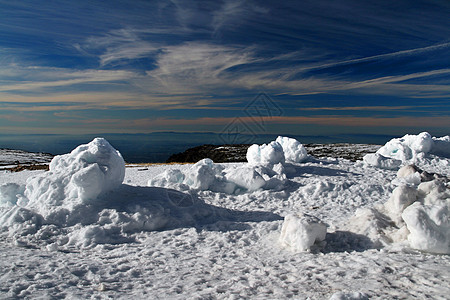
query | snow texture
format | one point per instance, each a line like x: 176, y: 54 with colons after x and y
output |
x: 216, y: 231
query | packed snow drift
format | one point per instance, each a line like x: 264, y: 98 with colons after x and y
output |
x: 81, y: 201
x: 284, y: 224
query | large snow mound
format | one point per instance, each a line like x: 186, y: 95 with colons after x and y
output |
x: 410, y: 148
x: 76, y: 178
x: 81, y: 201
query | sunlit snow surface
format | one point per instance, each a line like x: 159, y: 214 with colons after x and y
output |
x: 227, y: 245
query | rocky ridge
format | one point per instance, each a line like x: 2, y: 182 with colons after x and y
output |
x: 237, y: 152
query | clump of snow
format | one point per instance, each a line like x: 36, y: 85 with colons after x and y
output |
x: 301, y: 231
x: 247, y: 177
x: 202, y: 175
x: 76, y: 178
x: 414, y: 147
x: 293, y: 150
x: 266, y: 154
x: 283, y: 149
x: 416, y: 212
x: 373, y: 224
x: 402, y: 197
x: 380, y: 161
x: 407, y: 147
x: 206, y: 175
x: 413, y: 175
x: 266, y: 169
x: 429, y: 227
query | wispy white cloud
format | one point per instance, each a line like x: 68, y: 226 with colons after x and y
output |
x: 390, y: 55
x: 117, y: 46
x: 34, y: 79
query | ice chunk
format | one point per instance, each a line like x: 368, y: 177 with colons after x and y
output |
x: 247, y: 177
x: 429, y: 227
x: 301, y: 231
x: 293, y: 150
x: 266, y: 154
x: 202, y: 174
x: 380, y: 161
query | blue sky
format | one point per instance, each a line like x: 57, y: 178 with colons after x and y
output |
x: 82, y: 67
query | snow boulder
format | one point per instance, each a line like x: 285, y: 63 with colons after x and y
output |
x: 76, y: 178
x: 301, y: 231
x: 380, y: 161
x: 203, y: 175
x: 429, y: 227
x: 293, y: 150
x: 402, y: 197
x: 407, y: 147
x: 266, y: 154
x: 246, y: 177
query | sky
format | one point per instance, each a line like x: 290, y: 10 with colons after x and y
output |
x: 288, y: 67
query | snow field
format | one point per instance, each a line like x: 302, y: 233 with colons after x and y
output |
x: 216, y: 230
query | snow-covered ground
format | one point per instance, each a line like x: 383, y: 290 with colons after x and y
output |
x: 214, y: 231
x: 11, y: 158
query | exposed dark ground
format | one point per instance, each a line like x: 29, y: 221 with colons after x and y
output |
x: 236, y: 153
